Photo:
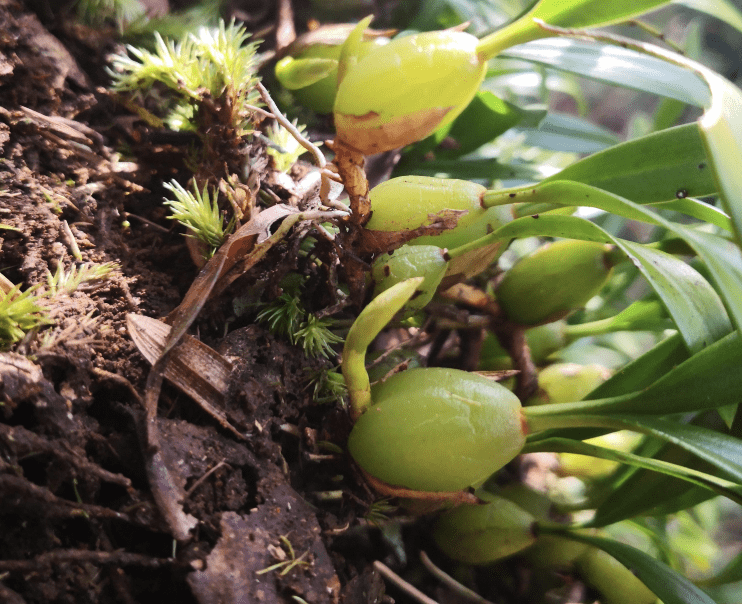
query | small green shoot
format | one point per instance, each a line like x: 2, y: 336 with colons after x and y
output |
x: 122, y: 12
x: 378, y: 512
x: 66, y: 282
x: 284, y: 315
x: 199, y: 212
x: 329, y: 386
x: 316, y: 338
x: 20, y: 312
x: 286, y: 565
x: 213, y: 63
x: 287, y: 149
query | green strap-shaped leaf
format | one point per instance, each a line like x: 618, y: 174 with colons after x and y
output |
x: 724, y: 261
x: 721, y: 9
x: 635, y: 376
x: 590, y: 13
x: 657, y: 167
x: 721, y: 131
x: 484, y: 119
x: 710, y: 379
x: 698, y: 210
x: 563, y: 13
x: 644, y: 491
x: 487, y: 169
x: 569, y: 134
x: 616, y: 66
x: 722, y: 451
x: 668, y: 585
x: 721, y: 128
x: 693, y: 304
x: 645, y: 370
x: 718, y: 485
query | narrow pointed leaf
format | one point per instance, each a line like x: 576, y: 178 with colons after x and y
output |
x: 563, y: 13
x: 727, y: 268
x: 718, y: 485
x: 591, y: 13
x: 569, y: 134
x: 693, y: 304
x: 644, y: 492
x: 669, y: 586
x: 721, y: 9
x: 724, y: 261
x: 645, y: 370
x: 484, y: 119
x: 698, y: 210
x: 653, y: 168
x: 616, y: 66
x: 722, y: 451
x: 710, y: 379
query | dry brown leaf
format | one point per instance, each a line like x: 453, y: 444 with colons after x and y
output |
x: 193, y: 367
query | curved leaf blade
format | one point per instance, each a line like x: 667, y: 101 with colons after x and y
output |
x: 653, y: 168
x: 722, y: 451
x: 721, y: 9
x: 726, y: 268
x: 698, y: 210
x: 681, y: 472
x: 668, y: 585
x: 616, y: 66
x: 693, y: 304
x: 591, y: 13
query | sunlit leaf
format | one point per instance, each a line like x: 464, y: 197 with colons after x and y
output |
x: 616, y: 66
x: 569, y: 134
x: 563, y: 13
x: 658, y: 167
x: 721, y: 9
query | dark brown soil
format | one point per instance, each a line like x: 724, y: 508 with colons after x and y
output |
x: 80, y: 520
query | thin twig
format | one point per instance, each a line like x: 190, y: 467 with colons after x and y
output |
x: 196, y: 484
x: 409, y: 589
x: 154, y: 225
x: 49, y: 559
x: 71, y: 241
x: 418, y: 338
x: 319, y: 158
x: 450, y: 582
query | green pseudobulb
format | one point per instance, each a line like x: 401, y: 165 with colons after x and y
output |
x: 401, y: 92
x: 483, y: 534
x: 408, y: 202
x: 437, y: 429
x: 409, y: 261
x: 554, y: 280
x: 310, y: 71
